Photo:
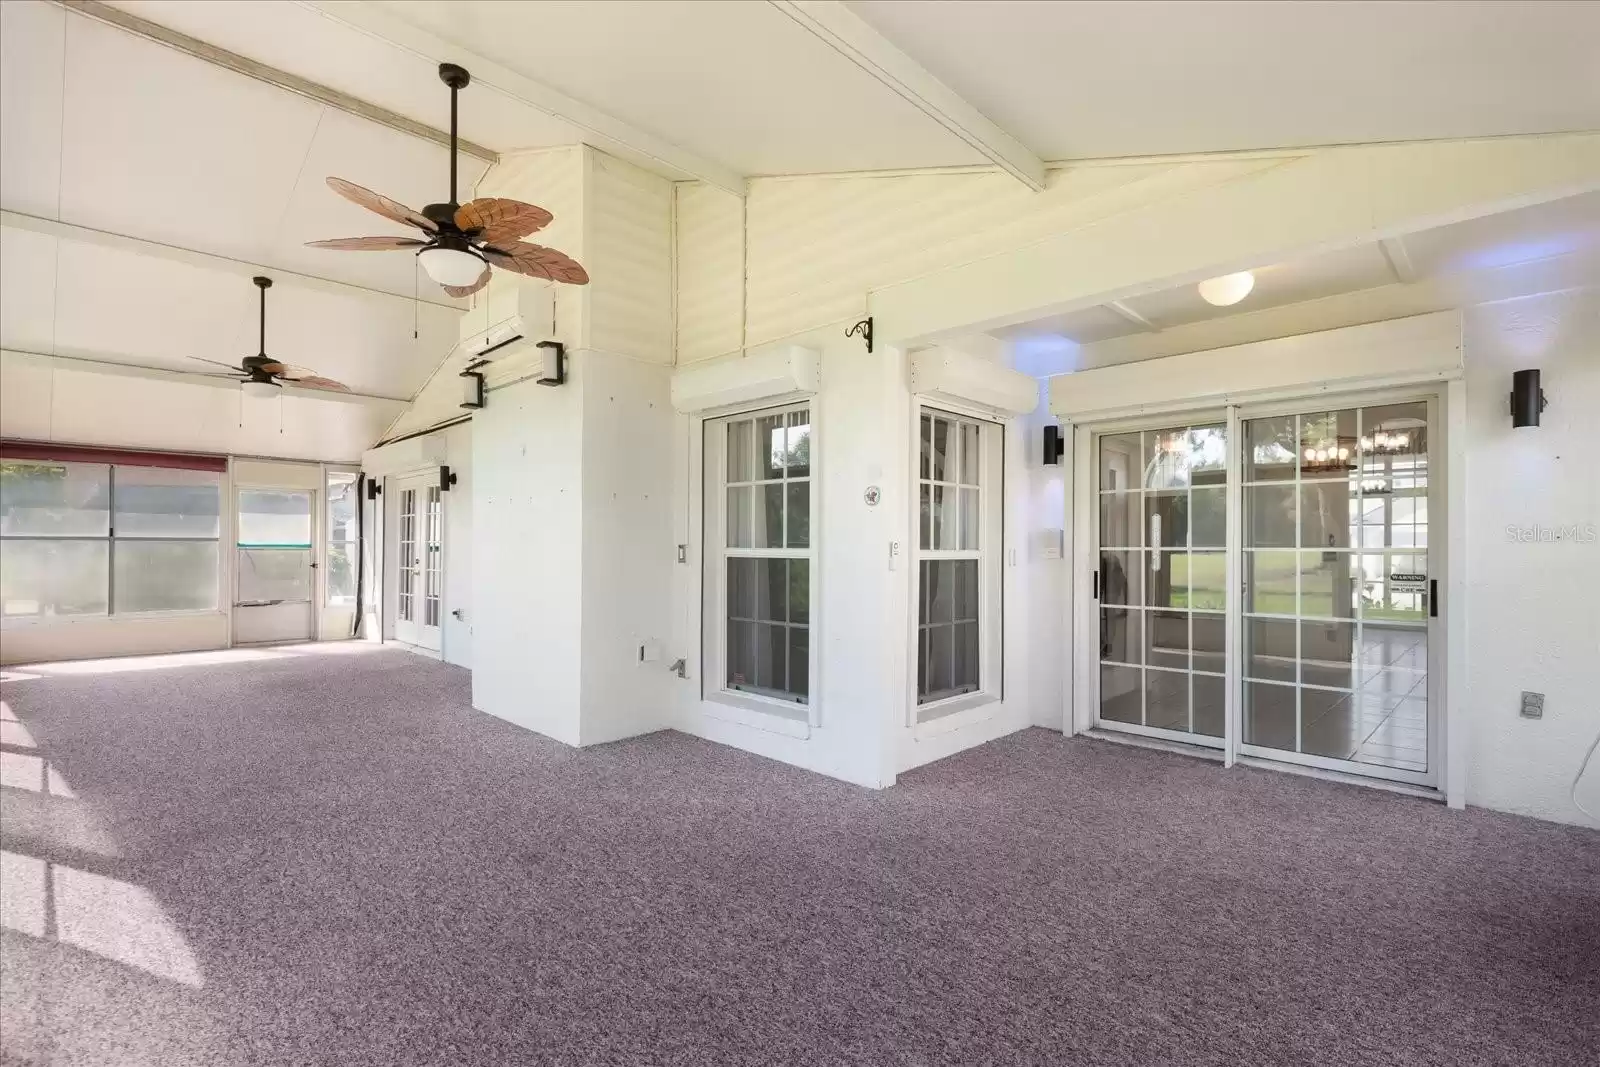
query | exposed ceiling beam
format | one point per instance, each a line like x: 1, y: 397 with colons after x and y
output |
x: 206, y: 260
x: 214, y: 381
x: 855, y: 39
x: 1399, y: 257
x: 221, y: 57
x: 1122, y: 309
x: 603, y: 130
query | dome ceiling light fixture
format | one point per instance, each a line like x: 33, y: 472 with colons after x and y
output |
x: 1227, y: 290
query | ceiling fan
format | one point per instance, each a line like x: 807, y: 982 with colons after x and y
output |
x: 462, y: 240
x: 263, y: 375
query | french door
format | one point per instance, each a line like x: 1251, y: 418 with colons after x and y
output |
x: 1320, y: 647
x: 419, y: 562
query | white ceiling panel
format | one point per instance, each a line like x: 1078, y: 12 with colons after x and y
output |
x: 1111, y: 78
x: 27, y: 289
x: 1082, y: 327
x: 1540, y: 232
x: 300, y: 40
x: 123, y: 307
x: 740, y: 83
x: 32, y: 41
x: 169, y: 148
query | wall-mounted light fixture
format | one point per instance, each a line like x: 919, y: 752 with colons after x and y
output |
x: 447, y: 478
x: 554, y: 368
x: 472, y: 388
x: 1527, y: 399
x: 1054, y: 445
x: 374, y: 488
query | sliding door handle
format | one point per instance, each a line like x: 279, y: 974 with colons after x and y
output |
x: 1433, y: 598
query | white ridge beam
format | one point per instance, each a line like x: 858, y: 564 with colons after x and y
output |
x: 604, y: 130
x: 855, y: 39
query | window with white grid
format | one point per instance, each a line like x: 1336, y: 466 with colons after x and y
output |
x: 760, y: 563
x: 957, y: 586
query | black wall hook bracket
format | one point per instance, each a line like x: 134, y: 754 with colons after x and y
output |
x: 864, y: 329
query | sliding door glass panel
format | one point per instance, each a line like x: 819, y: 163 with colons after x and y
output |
x: 1162, y: 531
x: 1335, y: 625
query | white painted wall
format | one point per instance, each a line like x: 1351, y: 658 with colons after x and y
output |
x: 627, y: 553
x: 860, y: 419
x: 1534, y: 608
x: 94, y: 638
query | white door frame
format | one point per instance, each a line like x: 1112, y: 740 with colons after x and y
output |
x: 415, y: 633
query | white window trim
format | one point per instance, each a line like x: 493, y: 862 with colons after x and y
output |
x: 962, y: 709
x: 784, y: 717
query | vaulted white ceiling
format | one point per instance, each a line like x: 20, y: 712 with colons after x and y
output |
x: 745, y: 86
x: 1098, y: 78
x: 144, y: 186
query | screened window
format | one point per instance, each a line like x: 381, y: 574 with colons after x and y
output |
x: 274, y: 545
x: 85, y: 539
x: 343, y: 551
x: 760, y: 555
x: 959, y: 476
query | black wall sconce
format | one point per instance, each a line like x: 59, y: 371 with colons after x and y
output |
x: 554, y: 371
x: 447, y: 478
x: 472, y: 389
x: 374, y: 487
x: 1527, y: 399
x: 1055, y: 445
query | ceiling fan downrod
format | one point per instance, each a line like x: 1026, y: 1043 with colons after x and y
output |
x: 457, y: 79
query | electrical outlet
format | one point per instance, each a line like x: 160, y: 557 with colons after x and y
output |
x: 1532, y: 705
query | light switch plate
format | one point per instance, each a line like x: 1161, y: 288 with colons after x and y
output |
x: 1532, y: 705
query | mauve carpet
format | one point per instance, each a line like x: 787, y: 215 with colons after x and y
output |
x: 319, y: 858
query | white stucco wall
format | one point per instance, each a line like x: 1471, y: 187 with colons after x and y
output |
x: 1534, y: 607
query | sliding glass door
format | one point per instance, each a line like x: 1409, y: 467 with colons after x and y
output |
x: 1336, y: 612
x: 1161, y: 581
x: 1322, y: 514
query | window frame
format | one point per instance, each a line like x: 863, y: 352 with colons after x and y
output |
x: 715, y: 553
x: 352, y: 543
x: 990, y: 556
x: 110, y: 538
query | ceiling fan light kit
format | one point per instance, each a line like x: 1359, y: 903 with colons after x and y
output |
x: 461, y: 242
x: 261, y: 388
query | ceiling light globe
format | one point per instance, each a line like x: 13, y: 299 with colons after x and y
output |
x: 1228, y: 289
x: 451, y: 266
x: 258, y: 388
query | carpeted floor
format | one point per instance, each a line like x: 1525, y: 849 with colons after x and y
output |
x: 317, y: 857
